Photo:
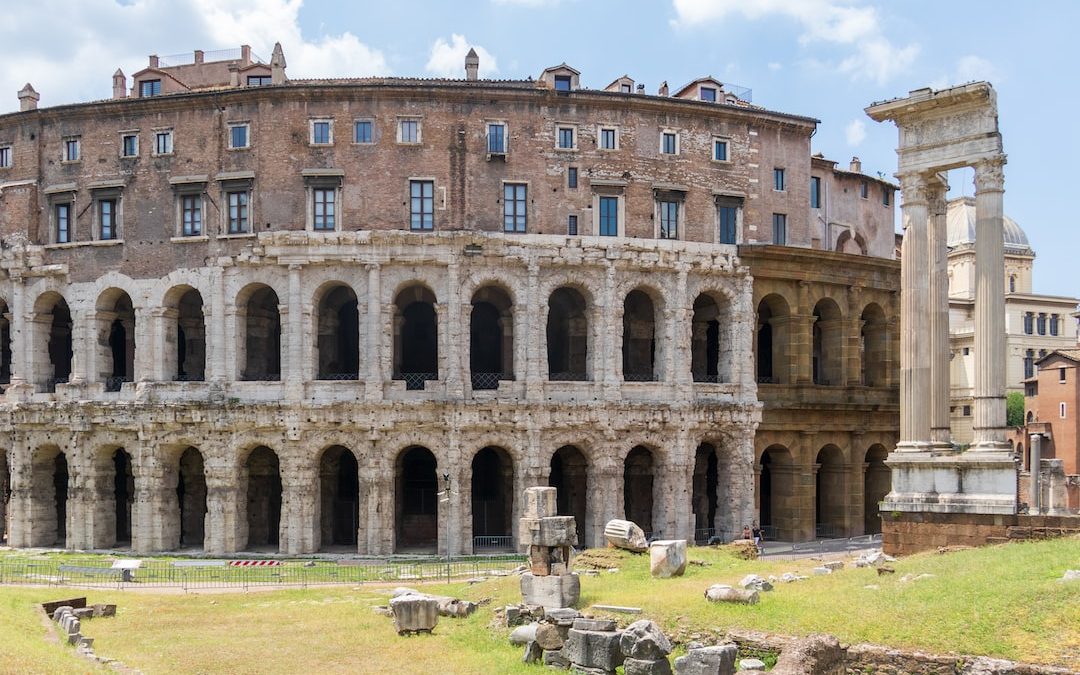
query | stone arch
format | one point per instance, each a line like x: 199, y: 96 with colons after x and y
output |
x: 258, y: 316
x: 569, y: 475
x: 639, y: 481
x: 491, y: 336
x: 114, y: 318
x: 642, y: 335
x: 416, y: 335
x: 852, y: 243
x: 778, y: 509
x: 185, y: 339
x: 829, y: 493
x: 877, y: 481
x: 50, y: 487
x: 492, y: 491
x: 705, y: 498
x: 772, y: 347
x: 873, y: 346
x: 416, y: 500
x: 52, y: 341
x: 337, y: 330
x: 711, y: 340
x: 339, y: 497
x: 261, y: 480
x: 568, y: 336
x: 827, y: 362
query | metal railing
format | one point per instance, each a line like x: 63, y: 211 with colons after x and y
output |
x: 818, y: 547
x: 488, y: 380
x: 714, y: 378
x: 116, y: 382
x: 415, y: 381
x: 568, y: 377
x: 339, y: 376
x: 501, y: 542
x: 639, y: 377
x: 184, y: 377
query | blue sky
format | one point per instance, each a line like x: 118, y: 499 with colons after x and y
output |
x: 823, y: 58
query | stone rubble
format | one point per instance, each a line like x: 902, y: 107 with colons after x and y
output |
x: 716, y: 660
x: 753, y: 582
x: 626, y: 535
x: 70, y: 621
x: 1071, y: 575
x: 645, y: 649
x: 667, y: 558
x: 751, y: 665
x: 834, y: 565
x: 723, y: 593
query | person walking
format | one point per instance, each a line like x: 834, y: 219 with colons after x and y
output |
x: 756, y: 531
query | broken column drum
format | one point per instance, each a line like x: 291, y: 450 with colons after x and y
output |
x: 548, y: 539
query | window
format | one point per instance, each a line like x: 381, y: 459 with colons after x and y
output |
x: 864, y: 190
x: 562, y: 82
x: 967, y: 411
x: 1029, y: 364
x: 191, y: 215
x: 778, y: 179
x: 571, y: 225
x: 259, y: 80
x: 238, y: 136
x: 362, y: 131
x: 728, y: 215
x: 322, y: 200
x: 496, y: 136
x: 150, y: 88
x: 163, y: 142
x: 608, y: 139
x: 322, y: 132
x: 719, y: 150
x: 669, y: 143
x: 71, y: 149
x: 409, y: 131
x: 106, y: 213
x: 567, y: 140
x: 609, y: 216
x: 237, y: 202
x: 886, y: 195
x: 779, y: 229
x: 1061, y: 375
x: 1061, y: 409
x: 129, y: 145
x: 815, y: 192
x: 514, y: 204
x: 1054, y: 324
x: 966, y: 351
x: 669, y: 219
x: 5, y: 157
x: 626, y: 88
x: 571, y: 177
x: 1029, y: 323
x: 421, y: 205
x: 1012, y: 283
x: 1040, y: 324
x: 62, y: 217
x: 708, y: 94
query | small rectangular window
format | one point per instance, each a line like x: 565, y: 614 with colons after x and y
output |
x: 864, y: 190
x: 149, y: 88
x: 163, y: 143
x: 409, y: 131
x: 669, y: 219
x: 323, y: 204
x: 669, y: 143
x: 607, y: 139
x: 571, y: 177
x: 63, y: 222
x: 1061, y: 375
x: 259, y: 80
x: 609, y: 216
x: 5, y: 157
x: 1040, y: 324
x: 728, y: 224
x: 238, y: 136
x: 238, y: 211
x: 514, y: 205
x: 778, y: 180
x: 421, y: 205
x: 1029, y: 323
x: 362, y: 132
x: 562, y: 82
x: 107, y: 218
x: 321, y: 132
x: 71, y: 149
x: 708, y: 94
x: 967, y: 411
x: 566, y: 138
x: 496, y: 137
x: 720, y: 149
x: 191, y: 215
x: 1061, y: 409
x: 886, y: 195
x: 129, y: 145
x: 967, y: 351
x: 815, y: 192
x: 779, y: 229
x: 626, y: 88
x: 571, y: 225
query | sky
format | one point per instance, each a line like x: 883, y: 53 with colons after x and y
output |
x: 826, y: 59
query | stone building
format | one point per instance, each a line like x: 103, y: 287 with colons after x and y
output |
x: 247, y: 313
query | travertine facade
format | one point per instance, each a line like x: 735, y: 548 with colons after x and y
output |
x: 366, y: 314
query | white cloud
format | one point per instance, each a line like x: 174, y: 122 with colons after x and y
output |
x: 969, y: 68
x: 73, y: 59
x: 838, y: 22
x: 774, y: 66
x: 448, y: 58
x: 855, y: 132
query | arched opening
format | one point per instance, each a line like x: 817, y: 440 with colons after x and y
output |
x: 777, y: 501
x: 49, y: 490
x: 416, y: 337
x: 115, y: 319
x: 872, y: 346
x: 191, y: 498
x: 5, y: 344
x: 52, y: 331
x: 190, y: 337
x: 1030, y: 417
x: 828, y: 339
x: 638, y: 473
x: 709, y: 355
x: 771, y: 336
x: 491, y: 338
x: 567, y: 336
x: 263, y: 498
x: 639, y: 338
x: 339, y: 490
x: 570, y: 477
x: 705, y: 501
x: 262, y: 334
x: 338, y: 334
x: 492, y: 497
x: 416, y: 489
x: 877, y: 482
x: 123, y: 492
x: 829, y: 493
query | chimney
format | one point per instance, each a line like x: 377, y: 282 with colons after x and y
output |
x: 199, y: 55
x: 472, y: 65
x: 153, y: 61
x: 119, y: 84
x: 277, y: 65
x: 641, y: 89
x: 234, y: 74
x: 28, y: 98
x: 663, y: 88
x: 245, y: 54
x: 856, y: 165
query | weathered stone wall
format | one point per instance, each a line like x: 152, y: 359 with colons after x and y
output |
x: 905, y: 533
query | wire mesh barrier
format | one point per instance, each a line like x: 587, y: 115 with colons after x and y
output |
x: 206, y: 573
x: 339, y: 376
x: 116, y: 382
x: 487, y: 380
x: 493, y: 543
x: 415, y: 381
x: 568, y: 377
x: 639, y: 377
x: 817, y: 547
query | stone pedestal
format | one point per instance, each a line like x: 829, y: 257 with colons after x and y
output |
x: 414, y: 613
x: 552, y: 591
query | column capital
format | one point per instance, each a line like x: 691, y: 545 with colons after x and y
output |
x: 915, y: 188
x: 990, y: 175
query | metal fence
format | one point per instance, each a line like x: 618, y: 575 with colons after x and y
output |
x: 200, y: 573
x: 792, y: 550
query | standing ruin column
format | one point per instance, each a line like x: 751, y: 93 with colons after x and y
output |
x: 989, y: 422
x: 914, y: 313
x: 938, y: 314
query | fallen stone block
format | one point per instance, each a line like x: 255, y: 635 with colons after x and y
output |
x: 533, y: 653
x: 718, y: 660
x: 821, y: 571
x: 563, y: 615
x: 645, y: 641
x: 556, y: 659
x: 1071, y: 575
x: 751, y: 665
x: 524, y: 634
x: 103, y: 610
x: 834, y: 565
x: 551, y: 591
x: 553, y: 531
x: 722, y: 593
x: 549, y: 637
x: 646, y: 667
x: 540, y: 502
x: 593, y: 649
x: 60, y: 612
x: 414, y: 613
x: 404, y: 590
x: 667, y: 558
x: 83, y: 613
x: 885, y: 570
x: 454, y: 607
x: 626, y: 535
x: 72, y: 603
x: 617, y: 609
x: 755, y: 583
x: 595, y: 624
x: 74, y: 638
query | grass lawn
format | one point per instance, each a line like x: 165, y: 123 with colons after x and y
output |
x: 1002, y: 601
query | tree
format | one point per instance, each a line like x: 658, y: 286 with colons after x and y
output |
x: 1014, y: 409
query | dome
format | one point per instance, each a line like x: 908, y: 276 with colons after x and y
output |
x: 960, y: 219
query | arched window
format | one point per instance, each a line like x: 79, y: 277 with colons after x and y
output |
x: 416, y: 337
